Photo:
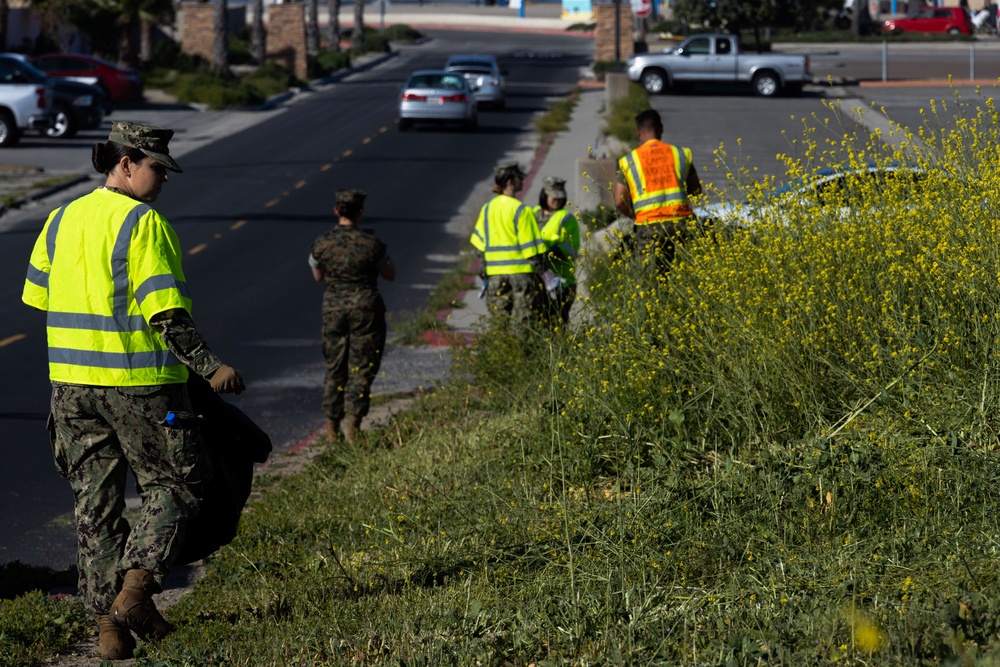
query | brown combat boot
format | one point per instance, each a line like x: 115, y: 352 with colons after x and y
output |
x: 352, y: 427
x: 333, y: 430
x: 134, y: 609
x: 115, y: 643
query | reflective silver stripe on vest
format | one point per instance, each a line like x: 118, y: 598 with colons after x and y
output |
x: 486, y: 226
x: 630, y: 162
x: 517, y: 216
x: 520, y: 246
x: 659, y: 199
x: 122, y: 360
x: 95, y: 322
x: 156, y: 283
x: 38, y: 277
x: 511, y: 262
x: 50, y: 235
x: 119, y: 264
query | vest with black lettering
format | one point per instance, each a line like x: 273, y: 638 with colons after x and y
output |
x: 507, y: 234
x: 657, y: 173
x: 104, y: 265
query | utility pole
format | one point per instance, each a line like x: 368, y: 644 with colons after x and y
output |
x: 618, y: 32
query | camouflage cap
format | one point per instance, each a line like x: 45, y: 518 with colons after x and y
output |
x: 554, y: 187
x: 508, y: 167
x: 150, y: 140
x: 353, y: 198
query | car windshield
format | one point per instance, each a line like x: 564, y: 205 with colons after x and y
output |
x: 13, y: 69
x: 445, y: 81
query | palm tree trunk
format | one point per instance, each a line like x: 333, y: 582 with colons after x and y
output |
x: 4, y: 14
x: 312, y: 26
x: 145, y: 40
x: 257, y: 46
x: 333, y: 29
x: 221, y: 63
x: 358, y: 34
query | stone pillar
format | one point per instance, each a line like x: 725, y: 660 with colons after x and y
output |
x: 198, y: 29
x: 286, y: 37
x: 604, y: 37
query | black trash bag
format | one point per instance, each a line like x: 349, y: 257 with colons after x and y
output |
x: 233, y: 444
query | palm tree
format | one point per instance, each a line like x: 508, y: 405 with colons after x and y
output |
x: 333, y: 28
x: 257, y: 38
x: 358, y: 34
x: 4, y: 11
x: 312, y: 27
x: 221, y: 60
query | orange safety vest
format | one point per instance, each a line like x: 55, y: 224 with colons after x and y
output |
x: 657, y: 173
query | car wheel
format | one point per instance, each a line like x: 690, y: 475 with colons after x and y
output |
x: 63, y: 123
x: 954, y: 32
x: 766, y: 84
x: 405, y: 124
x: 654, y: 81
x: 9, y: 134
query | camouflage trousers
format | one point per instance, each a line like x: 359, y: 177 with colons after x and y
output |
x: 98, y: 434
x: 520, y: 296
x: 657, y: 242
x: 353, y: 343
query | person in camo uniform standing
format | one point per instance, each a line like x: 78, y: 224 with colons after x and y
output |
x: 106, y: 268
x: 350, y: 260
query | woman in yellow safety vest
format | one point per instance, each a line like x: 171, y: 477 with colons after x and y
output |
x: 106, y: 268
x: 561, y: 234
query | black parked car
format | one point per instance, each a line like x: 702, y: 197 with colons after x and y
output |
x: 77, y: 106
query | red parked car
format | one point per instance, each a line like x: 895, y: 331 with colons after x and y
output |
x: 952, y: 20
x: 123, y: 84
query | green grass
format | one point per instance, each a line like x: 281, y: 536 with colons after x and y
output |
x: 409, y: 330
x: 557, y: 117
x: 34, y: 626
x: 619, y: 120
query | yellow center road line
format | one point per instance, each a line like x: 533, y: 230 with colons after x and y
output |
x: 12, y: 339
x: 300, y: 185
x: 366, y: 140
x: 326, y: 167
x: 347, y: 152
x: 198, y: 248
x: 273, y: 202
x: 236, y: 225
x: 216, y: 236
x: 383, y: 129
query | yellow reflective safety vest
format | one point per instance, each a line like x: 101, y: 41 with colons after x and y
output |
x: 103, y: 265
x: 657, y: 174
x: 507, y: 234
x: 561, y: 231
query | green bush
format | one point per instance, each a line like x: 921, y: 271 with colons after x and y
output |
x: 402, y: 33
x: 602, y: 67
x: 556, y: 119
x: 239, y: 46
x: 325, y: 62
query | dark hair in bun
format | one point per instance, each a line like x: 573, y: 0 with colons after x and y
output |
x: 105, y: 157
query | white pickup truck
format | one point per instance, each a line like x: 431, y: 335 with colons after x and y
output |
x: 718, y: 59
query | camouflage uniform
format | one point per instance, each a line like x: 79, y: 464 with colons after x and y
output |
x: 354, y: 327
x: 521, y: 296
x: 98, y: 433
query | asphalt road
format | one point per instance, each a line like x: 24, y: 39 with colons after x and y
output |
x: 248, y: 207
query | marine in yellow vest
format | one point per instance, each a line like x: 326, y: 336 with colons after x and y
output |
x: 656, y: 180
x: 106, y: 268
x: 507, y: 236
x: 561, y: 233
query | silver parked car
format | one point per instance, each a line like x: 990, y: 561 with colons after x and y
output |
x: 437, y: 95
x: 485, y: 77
